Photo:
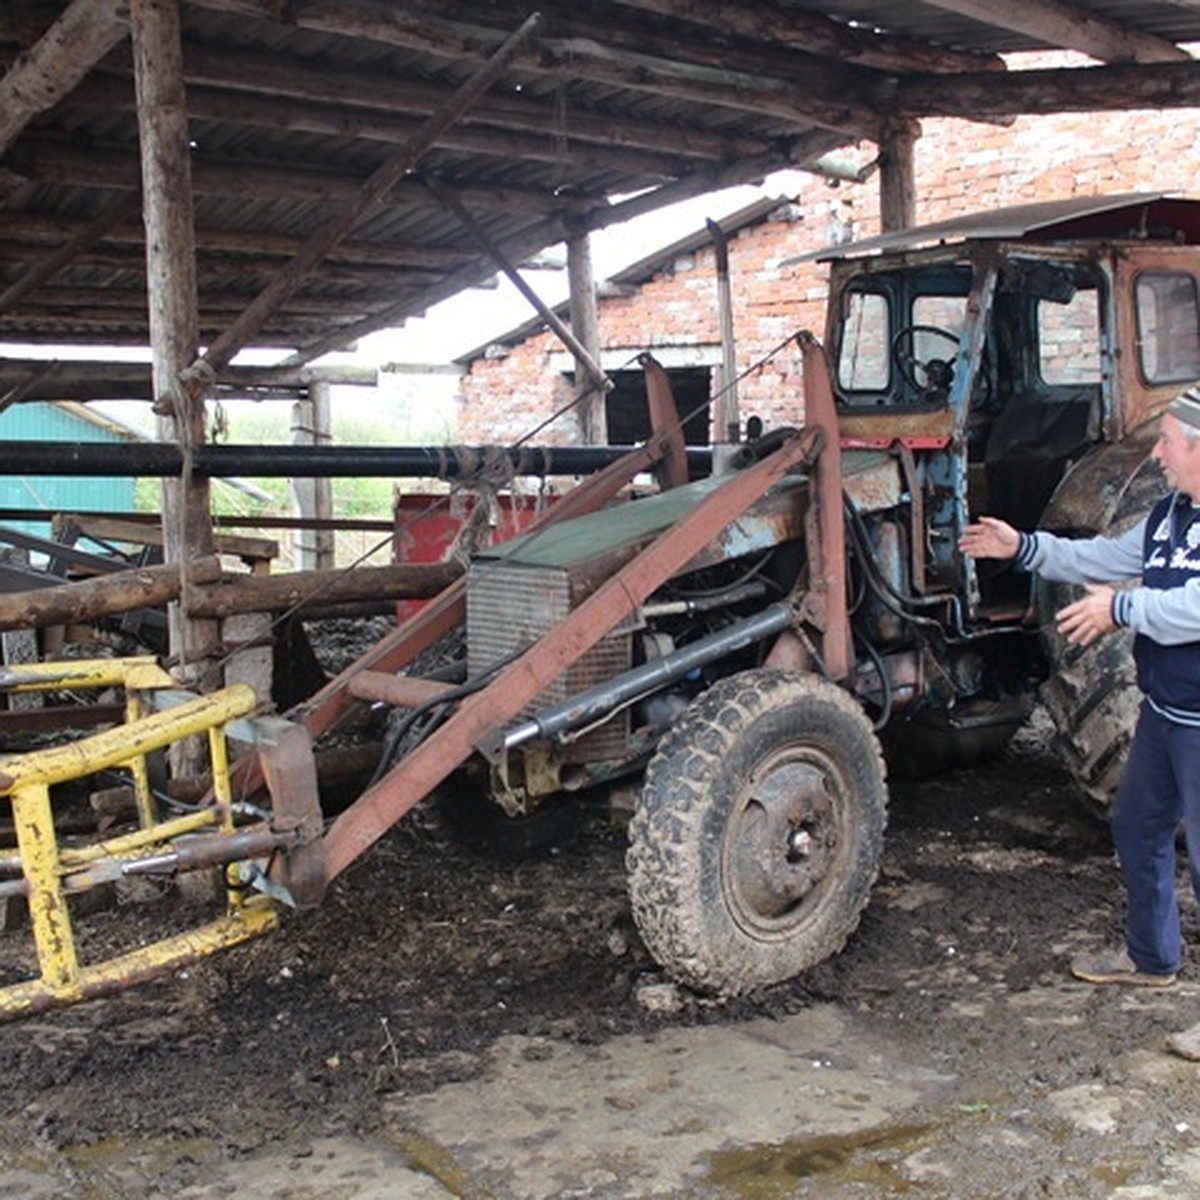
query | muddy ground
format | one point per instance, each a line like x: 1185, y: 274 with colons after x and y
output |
x: 428, y: 964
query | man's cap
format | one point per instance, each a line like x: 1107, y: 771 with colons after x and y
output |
x: 1186, y: 407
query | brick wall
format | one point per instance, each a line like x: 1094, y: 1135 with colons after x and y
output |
x: 960, y: 166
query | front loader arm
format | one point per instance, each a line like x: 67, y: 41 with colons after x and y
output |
x: 479, y: 717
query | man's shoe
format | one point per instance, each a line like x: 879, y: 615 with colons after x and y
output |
x: 1115, y: 966
x: 1185, y: 1044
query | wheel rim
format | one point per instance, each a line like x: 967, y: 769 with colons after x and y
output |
x: 785, y: 844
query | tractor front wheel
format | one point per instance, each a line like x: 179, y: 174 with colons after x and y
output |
x: 759, y: 832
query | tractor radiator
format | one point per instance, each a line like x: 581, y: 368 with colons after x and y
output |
x: 509, y: 606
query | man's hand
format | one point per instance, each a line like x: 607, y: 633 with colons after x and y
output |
x: 990, y: 538
x: 1087, y: 619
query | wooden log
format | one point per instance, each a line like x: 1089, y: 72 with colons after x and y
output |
x: 898, y: 176
x: 106, y: 596
x: 174, y: 320
x: 299, y: 589
x: 977, y: 96
x: 84, y: 33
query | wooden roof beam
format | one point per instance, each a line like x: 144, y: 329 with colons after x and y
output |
x: 104, y: 167
x: 825, y: 99
x: 1115, y: 88
x: 35, y: 228
x: 817, y: 34
x: 285, y: 78
x: 1068, y: 27
x: 801, y: 152
x: 82, y: 35
x: 260, y: 111
x: 46, y: 266
x: 211, y: 267
x: 371, y: 197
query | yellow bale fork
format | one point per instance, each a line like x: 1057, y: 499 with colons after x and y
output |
x: 276, y: 850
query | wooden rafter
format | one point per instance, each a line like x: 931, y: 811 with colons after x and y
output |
x: 103, y: 167
x: 801, y: 152
x: 1068, y: 27
x: 85, y: 32
x: 1085, y: 89
x: 46, y: 266
x: 221, y: 351
x: 817, y: 34
x: 372, y: 91
x: 596, y: 55
x: 287, y: 112
x: 33, y: 228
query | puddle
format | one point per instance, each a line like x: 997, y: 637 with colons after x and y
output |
x: 870, y: 1159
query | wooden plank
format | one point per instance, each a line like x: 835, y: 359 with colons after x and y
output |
x: 113, y: 529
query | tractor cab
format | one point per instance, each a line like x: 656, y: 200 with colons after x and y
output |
x: 1002, y: 350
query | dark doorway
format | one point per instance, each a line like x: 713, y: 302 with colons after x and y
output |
x: 625, y: 406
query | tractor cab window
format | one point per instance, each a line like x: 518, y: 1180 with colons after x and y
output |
x: 1068, y: 339
x: 899, y: 338
x: 864, y: 365
x: 1168, y: 326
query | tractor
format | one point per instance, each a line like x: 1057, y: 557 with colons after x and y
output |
x: 755, y: 648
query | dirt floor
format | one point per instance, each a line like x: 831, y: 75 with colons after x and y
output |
x: 362, y: 1051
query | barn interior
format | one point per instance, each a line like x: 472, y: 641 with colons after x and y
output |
x: 202, y: 178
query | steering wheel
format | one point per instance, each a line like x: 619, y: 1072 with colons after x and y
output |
x: 928, y: 375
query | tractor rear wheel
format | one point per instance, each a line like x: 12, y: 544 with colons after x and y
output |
x: 1092, y: 695
x: 759, y: 832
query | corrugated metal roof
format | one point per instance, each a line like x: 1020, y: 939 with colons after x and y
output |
x: 292, y: 107
x: 1116, y: 216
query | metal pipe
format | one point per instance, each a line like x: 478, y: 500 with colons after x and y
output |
x: 157, y: 459
x: 596, y: 702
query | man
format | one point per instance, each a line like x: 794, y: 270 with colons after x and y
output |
x: 1161, y: 783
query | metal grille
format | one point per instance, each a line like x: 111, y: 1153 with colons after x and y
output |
x: 509, y: 606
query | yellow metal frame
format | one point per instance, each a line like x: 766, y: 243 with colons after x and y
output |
x: 52, y: 872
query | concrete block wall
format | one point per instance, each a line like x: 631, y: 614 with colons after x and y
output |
x: 961, y: 166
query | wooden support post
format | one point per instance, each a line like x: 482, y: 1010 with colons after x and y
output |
x: 174, y: 318
x: 585, y: 325
x: 897, y: 176
x: 312, y: 425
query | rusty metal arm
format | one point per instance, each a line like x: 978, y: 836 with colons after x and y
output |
x: 480, y: 717
x: 825, y: 605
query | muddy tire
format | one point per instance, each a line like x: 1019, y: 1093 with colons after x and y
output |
x: 1092, y: 698
x: 1092, y: 695
x: 759, y: 832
